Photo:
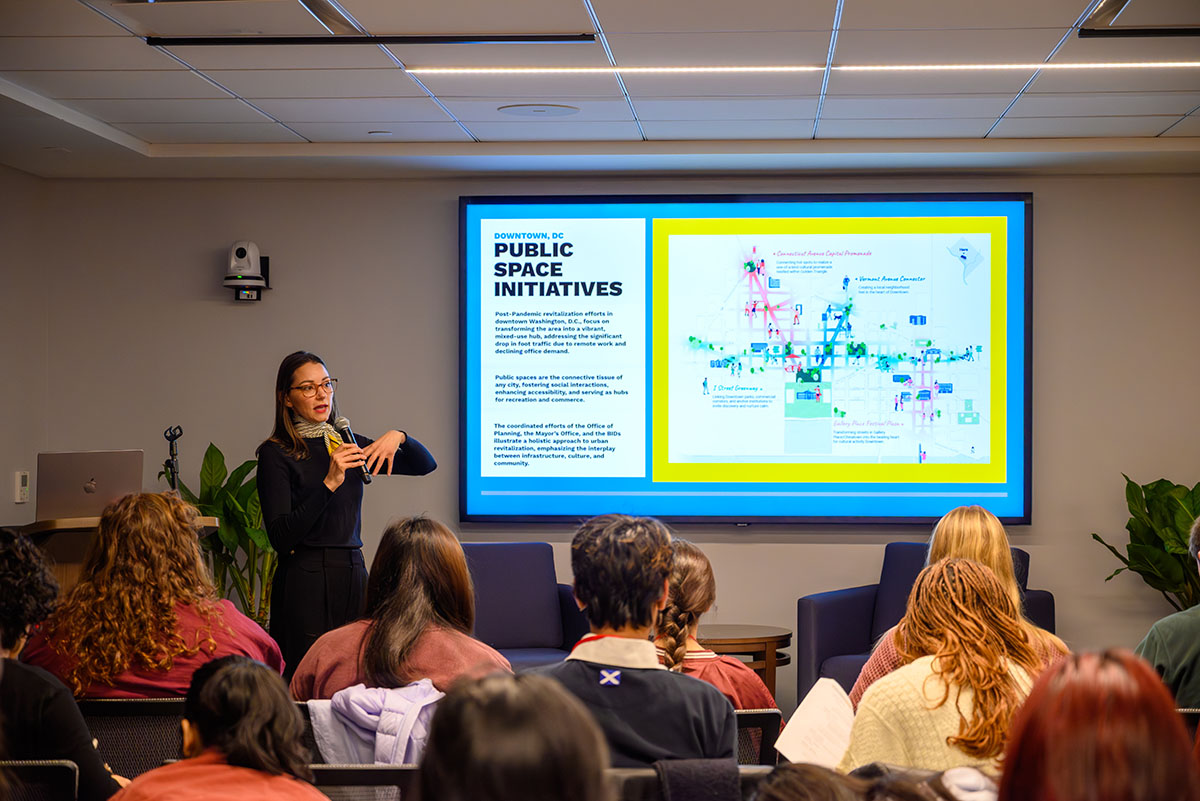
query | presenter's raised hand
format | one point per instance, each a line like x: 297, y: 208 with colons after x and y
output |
x: 383, y: 450
x: 346, y: 457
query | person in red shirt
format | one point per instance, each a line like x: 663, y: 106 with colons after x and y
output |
x: 242, y: 738
x: 692, y: 592
x: 145, y: 613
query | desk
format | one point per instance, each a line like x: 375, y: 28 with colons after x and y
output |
x: 760, y: 643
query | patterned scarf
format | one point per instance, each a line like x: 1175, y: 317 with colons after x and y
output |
x: 308, y: 430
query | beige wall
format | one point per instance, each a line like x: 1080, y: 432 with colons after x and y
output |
x: 125, y: 330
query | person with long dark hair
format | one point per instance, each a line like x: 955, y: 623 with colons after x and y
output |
x: 420, y: 613
x: 242, y: 738
x: 311, y: 487
x: 144, y: 614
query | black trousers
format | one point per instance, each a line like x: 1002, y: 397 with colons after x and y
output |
x: 315, y: 591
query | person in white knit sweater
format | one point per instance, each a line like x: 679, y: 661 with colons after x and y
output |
x: 968, y: 665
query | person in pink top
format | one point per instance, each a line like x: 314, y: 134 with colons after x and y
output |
x: 242, y: 738
x: 967, y: 532
x: 692, y: 590
x: 145, y: 613
x: 420, y: 612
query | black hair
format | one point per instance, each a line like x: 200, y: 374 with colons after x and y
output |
x: 621, y: 564
x: 242, y: 708
x: 513, y: 738
x: 28, y: 590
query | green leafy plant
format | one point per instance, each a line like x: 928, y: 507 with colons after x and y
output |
x: 1162, y: 513
x: 239, y: 554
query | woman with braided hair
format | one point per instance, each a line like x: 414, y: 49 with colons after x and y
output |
x: 968, y: 665
x: 691, y: 592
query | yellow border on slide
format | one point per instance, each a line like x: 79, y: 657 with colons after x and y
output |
x: 769, y: 472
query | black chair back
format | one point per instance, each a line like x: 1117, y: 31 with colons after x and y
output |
x: 365, y: 782
x: 758, y: 729
x: 41, y: 779
x: 135, y: 735
x: 642, y: 784
x: 1191, y: 719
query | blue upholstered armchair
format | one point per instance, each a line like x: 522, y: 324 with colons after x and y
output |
x: 836, y: 630
x: 520, y: 608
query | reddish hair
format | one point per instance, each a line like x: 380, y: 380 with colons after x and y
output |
x: 1099, y: 727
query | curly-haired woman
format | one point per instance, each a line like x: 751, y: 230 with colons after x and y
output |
x: 969, y: 664
x: 144, y: 614
x: 40, y: 719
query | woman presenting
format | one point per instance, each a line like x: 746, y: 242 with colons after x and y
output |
x: 310, y: 485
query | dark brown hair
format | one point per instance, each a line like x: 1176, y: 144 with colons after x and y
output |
x: 1099, y: 727
x: 284, y: 432
x: 620, y: 564
x: 28, y: 590
x: 804, y: 782
x: 513, y: 738
x: 144, y: 560
x: 962, y: 615
x: 691, y: 592
x: 242, y: 708
x: 419, y: 577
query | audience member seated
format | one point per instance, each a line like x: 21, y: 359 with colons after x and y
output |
x: 420, y: 613
x: 1099, y: 727
x: 968, y: 665
x: 144, y: 614
x: 513, y: 738
x: 40, y: 718
x: 692, y: 592
x: 1172, y: 645
x: 801, y: 782
x: 622, y: 565
x: 968, y: 532
x: 242, y: 738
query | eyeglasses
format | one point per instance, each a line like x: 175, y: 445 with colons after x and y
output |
x: 310, y: 390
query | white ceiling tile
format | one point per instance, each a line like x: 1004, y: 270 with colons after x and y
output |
x: 1187, y: 127
x: 904, y: 129
x: 82, y: 53
x: 1003, y: 46
x: 284, y: 57
x: 957, y: 82
x: 554, y: 130
x: 750, y: 84
x: 53, y: 18
x: 486, y: 110
x: 719, y: 49
x: 627, y: 16
x: 382, y: 17
x: 400, y: 132
x: 210, y: 132
x: 215, y: 18
x: 1105, y: 104
x: 1080, y: 127
x: 728, y: 129
x: 915, y: 107
x: 527, y: 86
x: 580, y: 54
x: 116, y: 83
x: 726, y: 108
x: 317, y: 83
x: 334, y: 109
x: 914, y: 14
x: 164, y: 110
x: 1117, y: 80
x: 1172, y: 48
x: 1159, y: 12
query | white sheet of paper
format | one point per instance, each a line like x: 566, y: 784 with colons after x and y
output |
x: 819, y: 731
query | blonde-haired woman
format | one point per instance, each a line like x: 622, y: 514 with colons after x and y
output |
x: 969, y: 664
x: 691, y: 591
x: 968, y: 532
x: 144, y: 614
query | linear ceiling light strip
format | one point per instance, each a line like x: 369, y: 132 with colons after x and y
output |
x: 833, y: 36
x: 350, y: 40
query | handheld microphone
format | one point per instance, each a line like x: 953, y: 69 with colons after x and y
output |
x: 342, y: 426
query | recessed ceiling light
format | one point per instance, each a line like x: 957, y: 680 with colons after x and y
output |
x: 379, y: 133
x: 785, y: 68
x: 538, y: 110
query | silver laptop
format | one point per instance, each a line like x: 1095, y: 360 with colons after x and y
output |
x: 82, y: 483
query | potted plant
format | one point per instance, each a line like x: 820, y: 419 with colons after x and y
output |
x: 239, y: 554
x: 1162, y: 513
